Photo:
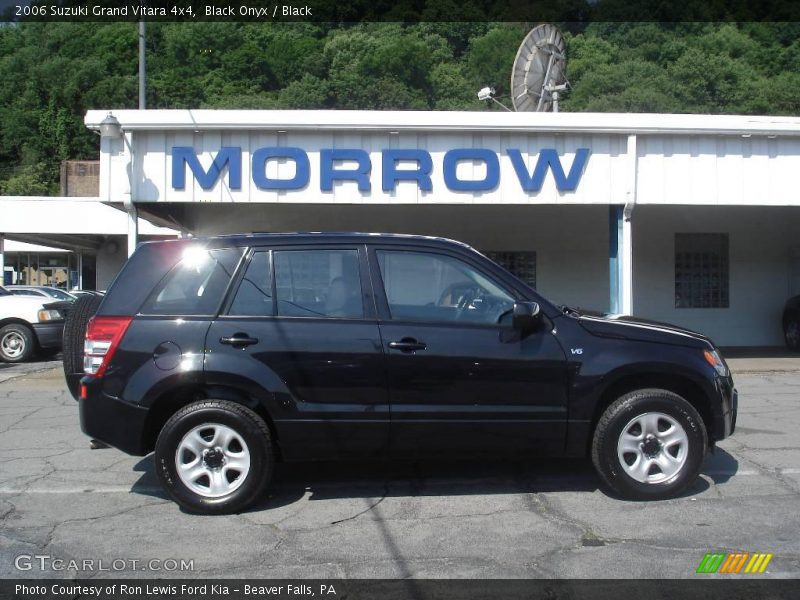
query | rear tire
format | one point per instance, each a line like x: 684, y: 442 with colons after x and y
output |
x: 17, y: 343
x: 75, y: 325
x: 649, y: 445
x: 214, y: 457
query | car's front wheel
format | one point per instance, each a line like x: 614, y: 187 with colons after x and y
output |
x: 17, y: 343
x: 214, y: 457
x: 649, y: 444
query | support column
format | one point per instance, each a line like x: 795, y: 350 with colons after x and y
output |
x: 626, y: 262
x: 620, y: 241
x: 620, y: 259
x: 133, y: 228
x: 128, y: 199
x: 2, y: 259
x: 614, y: 263
x: 80, y: 270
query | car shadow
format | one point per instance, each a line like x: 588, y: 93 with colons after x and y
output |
x: 328, y: 480
x: 720, y: 466
x: 52, y: 358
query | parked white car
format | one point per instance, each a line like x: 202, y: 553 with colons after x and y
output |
x: 28, y: 325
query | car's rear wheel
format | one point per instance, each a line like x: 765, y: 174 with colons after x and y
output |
x: 75, y: 325
x: 17, y: 343
x: 214, y: 457
x: 649, y: 444
x: 791, y: 333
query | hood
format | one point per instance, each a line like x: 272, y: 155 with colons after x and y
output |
x: 642, y: 330
x: 62, y: 305
x: 14, y: 300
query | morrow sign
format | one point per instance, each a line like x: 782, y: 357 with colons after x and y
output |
x: 355, y: 165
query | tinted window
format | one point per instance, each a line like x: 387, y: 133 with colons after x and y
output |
x: 195, y: 285
x: 318, y: 283
x: 254, y: 296
x: 434, y: 287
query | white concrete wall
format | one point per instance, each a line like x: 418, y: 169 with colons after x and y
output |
x: 760, y: 240
x: 110, y: 258
x: 571, y: 242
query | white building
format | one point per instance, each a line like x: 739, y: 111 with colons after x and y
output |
x: 66, y: 241
x: 690, y: 219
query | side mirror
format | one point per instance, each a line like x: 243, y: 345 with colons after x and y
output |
x: 526, y: 315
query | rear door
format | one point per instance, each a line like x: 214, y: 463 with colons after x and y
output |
x: 300, y: 331
x: 461, y: 380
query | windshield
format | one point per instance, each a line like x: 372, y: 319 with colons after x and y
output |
x: 60, y: 294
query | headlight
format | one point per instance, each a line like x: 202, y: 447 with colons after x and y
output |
x: 50, y: 315
x: 715, y: 360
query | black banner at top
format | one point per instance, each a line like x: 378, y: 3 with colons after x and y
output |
x: 409, y: 11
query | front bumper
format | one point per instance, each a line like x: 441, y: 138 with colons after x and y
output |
x: 729, y: 404
x: 111, y: 420
x: 49, y: 334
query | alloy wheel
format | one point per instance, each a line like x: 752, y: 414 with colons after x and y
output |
x: 653, y: 447
x: 212, y: 460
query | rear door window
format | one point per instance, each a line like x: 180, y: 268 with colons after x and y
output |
x: 318, y: 283
x: 254, y: 296
x: 195, y: 285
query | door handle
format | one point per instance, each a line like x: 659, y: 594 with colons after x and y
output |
x: 408, y: 345
x: 238, y: 340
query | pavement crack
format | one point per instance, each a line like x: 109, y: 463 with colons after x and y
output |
x: 369, y: 508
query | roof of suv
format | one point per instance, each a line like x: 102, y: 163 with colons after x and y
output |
x: 314, y: 237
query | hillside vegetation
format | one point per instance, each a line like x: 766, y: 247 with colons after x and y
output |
x: 52, y: 73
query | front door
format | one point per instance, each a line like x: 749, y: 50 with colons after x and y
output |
x: 461, y: 380
x: 301, y: 329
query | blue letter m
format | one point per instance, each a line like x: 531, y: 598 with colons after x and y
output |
x: 184, y: 155
x: 549, y: 159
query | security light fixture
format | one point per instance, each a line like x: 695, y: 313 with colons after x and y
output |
x: 487, y: 93
x: 110, y: 127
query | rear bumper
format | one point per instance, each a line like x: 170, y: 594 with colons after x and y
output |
x: 49, y: 334
x: 111, y: 420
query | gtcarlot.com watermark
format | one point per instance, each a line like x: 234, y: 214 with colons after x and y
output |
x: 46, y: 562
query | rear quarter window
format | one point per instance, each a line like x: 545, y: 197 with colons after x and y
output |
x: 195, y: 285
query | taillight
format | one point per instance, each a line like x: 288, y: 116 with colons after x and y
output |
x: 102, y: 338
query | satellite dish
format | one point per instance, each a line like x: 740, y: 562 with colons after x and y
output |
x: 539, y: 71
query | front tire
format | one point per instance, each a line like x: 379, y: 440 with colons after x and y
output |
x: 214, y: 457
x: 649, y: 445
x: 17, y: 343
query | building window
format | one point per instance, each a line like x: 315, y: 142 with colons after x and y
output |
x: 521, y: 264
x: 701, y: 270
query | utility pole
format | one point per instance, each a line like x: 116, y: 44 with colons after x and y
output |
x: 142, y: 69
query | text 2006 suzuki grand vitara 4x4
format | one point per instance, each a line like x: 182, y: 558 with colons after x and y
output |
x: 225, y: 354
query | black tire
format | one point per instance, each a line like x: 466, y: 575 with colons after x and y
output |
x: 617, y: 417
x: 75, y: 324
x: 791, y: 333
x: 17, y: 343
x: 247, y: 424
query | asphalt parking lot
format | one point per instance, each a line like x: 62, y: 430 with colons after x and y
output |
x: 60, y: 499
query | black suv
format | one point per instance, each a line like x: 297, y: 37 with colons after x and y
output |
x: 226, y: 354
